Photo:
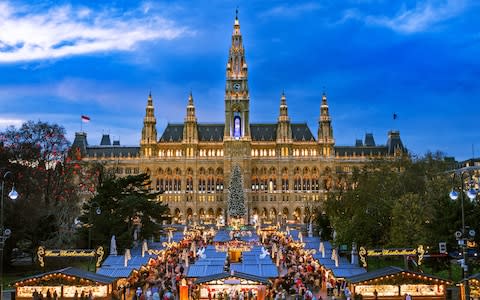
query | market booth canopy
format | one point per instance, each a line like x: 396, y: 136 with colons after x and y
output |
x: 66, y: 283
x: 395, y: 283
x: 474, y: 284
x: 234, y: 281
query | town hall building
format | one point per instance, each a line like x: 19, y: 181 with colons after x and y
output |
x: 287, y: 170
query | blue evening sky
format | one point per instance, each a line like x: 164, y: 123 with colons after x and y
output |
x: 418, y: 59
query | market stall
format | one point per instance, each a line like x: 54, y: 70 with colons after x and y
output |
x: 473, y: 285
x: 66, y: 283
x: 396, y: 283
x: 231, y: 284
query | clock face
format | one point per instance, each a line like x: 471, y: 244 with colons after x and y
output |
x: 236, y: 86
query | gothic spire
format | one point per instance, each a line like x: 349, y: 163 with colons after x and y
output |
x: 190, y: 110
x: 237, y: 65
x: 237, y: 99
x: 325, y: 130
x: 149, y: 130
x: 190, y: 131
x: 284, y: 131
x: 283, y: 108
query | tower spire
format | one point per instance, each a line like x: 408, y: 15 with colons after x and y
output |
x: 284, y: 131
x: 149, y: 130
x: 325, y: 130
x: 283, y: 108
x: 237, y: 99
x: 190, y: 110
x: 190, y: 131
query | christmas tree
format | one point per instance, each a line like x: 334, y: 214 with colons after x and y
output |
x: 236, y: 196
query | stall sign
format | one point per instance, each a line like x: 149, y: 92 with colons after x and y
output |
x: 363, y: 253
x: 391, y: 252
x: 42, y: 253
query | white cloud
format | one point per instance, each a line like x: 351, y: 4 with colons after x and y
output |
x: 26, y: 34
x: 425, y: 15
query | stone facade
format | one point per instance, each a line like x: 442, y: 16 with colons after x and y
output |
x: 287, y: 171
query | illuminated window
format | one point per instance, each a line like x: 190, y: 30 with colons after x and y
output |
x: 237, y: 129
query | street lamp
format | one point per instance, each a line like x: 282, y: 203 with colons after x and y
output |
x: 463, y: 236
x: 5, y: 232
x: 94, y: 206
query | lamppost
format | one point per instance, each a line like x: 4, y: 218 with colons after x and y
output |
x: 463, y: 236
x: 5, y: 232
x: 93, y: 206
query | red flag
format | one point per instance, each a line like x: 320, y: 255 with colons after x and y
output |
x: 85, y: 119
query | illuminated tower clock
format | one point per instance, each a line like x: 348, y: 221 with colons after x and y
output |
x: 237, y: 99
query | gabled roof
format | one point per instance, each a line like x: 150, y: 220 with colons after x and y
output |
x: 116, y: 272
x: 70, y: 271
x: 116, y: 151
x: 173, y: 133
x: 360, y: 150
x: 210, y: 132
x: 202, y: 271
x: 238, y: 275
x: 389, y: 271
x: 263, y: 132
x: 256, y: 269
x: 214, y: 132
x: 301, y: 133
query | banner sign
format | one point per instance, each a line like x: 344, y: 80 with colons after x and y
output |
x: 363, y: 253
x: 42, y: 253
x: 391, y: 252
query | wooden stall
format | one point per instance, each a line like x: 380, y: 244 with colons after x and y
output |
x: 473, y: 285
x: 66, y: 283
x: 395, y: 283
x: 231, y: 283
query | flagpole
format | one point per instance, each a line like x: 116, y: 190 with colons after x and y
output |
x: 81, y: 124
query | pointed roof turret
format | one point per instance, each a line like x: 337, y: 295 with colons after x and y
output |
x: 150, y: 100
x: 190, y: 110
x: 237, y: 65
x: 149, y: 131
x: 324, y: 114
x: 325, y: 130
x: 283, y: 117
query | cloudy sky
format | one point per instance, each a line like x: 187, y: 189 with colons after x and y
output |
x: 374, y: 58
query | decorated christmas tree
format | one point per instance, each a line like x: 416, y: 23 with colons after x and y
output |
x: 236, y: 196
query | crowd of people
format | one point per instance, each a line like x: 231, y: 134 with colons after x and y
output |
x: 301, y: 276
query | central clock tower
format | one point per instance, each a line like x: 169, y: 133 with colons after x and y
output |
x: 237, y: 99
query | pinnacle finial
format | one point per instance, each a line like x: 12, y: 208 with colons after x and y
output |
x: 190, y: 99
x: 236, y: 13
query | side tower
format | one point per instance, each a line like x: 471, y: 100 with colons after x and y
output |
x: 190, y: 129
x: 325, y: 131
x: 149, y: 130
x: 237, y: 99
x: 284, y: 130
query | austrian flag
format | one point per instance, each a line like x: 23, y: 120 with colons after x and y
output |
x: 85, y: 119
